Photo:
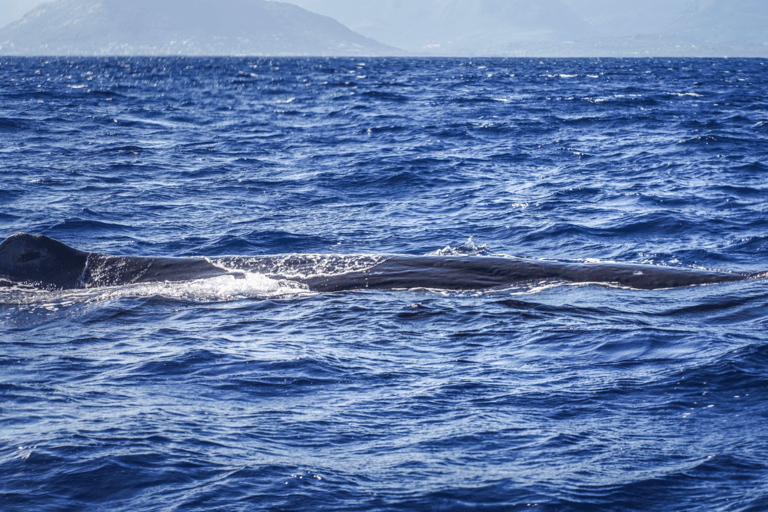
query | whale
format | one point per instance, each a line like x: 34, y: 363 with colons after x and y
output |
x: 45, y: 262
x: 40, y: 261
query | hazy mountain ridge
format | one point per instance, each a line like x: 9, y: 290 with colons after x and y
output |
x: 558, y: 27
x: 705, y: 20
x: 722, y: 20
x: 455, y: 26
x: 169, y: 27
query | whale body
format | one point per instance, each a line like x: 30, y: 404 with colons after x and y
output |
x: 43, y: 261
x: 47, y: 263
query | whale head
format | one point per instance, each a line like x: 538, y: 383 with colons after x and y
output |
x: 41, y: 260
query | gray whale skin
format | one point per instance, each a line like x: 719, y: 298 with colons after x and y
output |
x: 42, y: 261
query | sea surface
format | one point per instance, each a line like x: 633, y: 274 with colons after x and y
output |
x: 247, y: 394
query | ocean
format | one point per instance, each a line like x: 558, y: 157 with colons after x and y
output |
x: 251, y: 394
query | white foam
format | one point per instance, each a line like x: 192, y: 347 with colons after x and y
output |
x: 300, y: 266
x: 467, y: 248
x: 224, y: 288
x: 681, y: 94
x: 215, y: 289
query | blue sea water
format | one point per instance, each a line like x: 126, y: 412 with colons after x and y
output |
x: 226, y: 394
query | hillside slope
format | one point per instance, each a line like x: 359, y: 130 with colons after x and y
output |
x: 456, y: 27
x: 191, y: 27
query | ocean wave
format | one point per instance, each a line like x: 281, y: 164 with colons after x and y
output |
x: 250, y: 390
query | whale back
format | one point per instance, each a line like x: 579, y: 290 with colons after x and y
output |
x: 41, y: 260
x: 48, y: 263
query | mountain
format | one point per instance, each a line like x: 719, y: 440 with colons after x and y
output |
x: 702, y: 20
x: 570, y: 28
x: 555, y: 28
x: 186, y: 27
x: 457, y: 27
x: 620, y: 18
x: 724, y: 21
x: 679, y: 27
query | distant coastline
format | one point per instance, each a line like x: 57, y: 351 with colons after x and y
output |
x: 172, y: 27
x: 513, y: 28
